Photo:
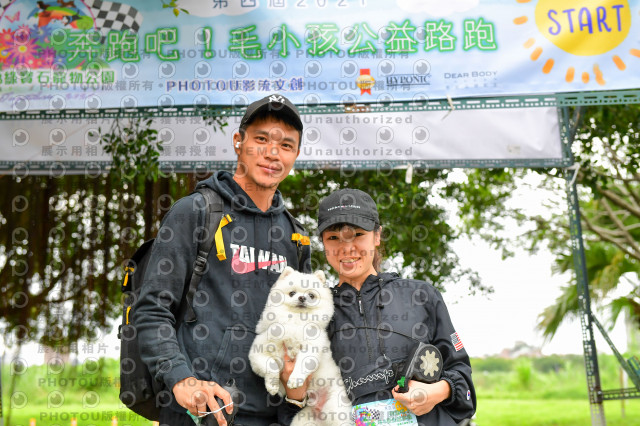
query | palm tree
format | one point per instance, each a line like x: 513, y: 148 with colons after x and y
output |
x: 609, y: 269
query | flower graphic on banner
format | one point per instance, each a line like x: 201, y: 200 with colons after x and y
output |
x: 17, y: 52
x: 45, y: 33
x: 6, y: 36
x: 70, y: 33
x: 6, y: 41
x: 26, y: 33
x: 22, y: 53
x: 581, y: 29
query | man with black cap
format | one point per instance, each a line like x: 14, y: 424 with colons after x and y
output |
x: 256, y: 240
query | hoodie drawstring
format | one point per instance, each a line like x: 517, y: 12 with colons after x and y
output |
x: 380, y: 306
x: 270, y: 236
x: 255, y: 257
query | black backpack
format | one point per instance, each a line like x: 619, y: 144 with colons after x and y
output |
x: 139, y: 390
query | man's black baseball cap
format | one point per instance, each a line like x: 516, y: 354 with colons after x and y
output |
x: 275, y: 103
x: 350, y: 206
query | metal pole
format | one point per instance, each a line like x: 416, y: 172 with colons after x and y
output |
x: 584, y: 300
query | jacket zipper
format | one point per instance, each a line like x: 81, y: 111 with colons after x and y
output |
x: 364, y: 318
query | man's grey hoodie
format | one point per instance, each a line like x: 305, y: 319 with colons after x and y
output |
x: 228, y: 302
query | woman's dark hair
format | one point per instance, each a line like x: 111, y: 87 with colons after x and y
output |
x: 377, y: 256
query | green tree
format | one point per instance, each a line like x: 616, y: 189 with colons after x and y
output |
x: 608, y: 155
x: 607, y: 267
x: 62, y: 244
x: 63, y: 239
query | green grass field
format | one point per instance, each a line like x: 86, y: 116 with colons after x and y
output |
x: 551, y: 412
x: 538, y: 392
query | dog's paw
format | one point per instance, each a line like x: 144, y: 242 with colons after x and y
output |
x: 273, y: 390
x: 272, y: 385
x: 293, y: 351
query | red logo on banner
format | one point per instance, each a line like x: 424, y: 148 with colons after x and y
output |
x: 365, y: 82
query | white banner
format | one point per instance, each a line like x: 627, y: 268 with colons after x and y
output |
x: 508, y: 134
x: 499, y: 135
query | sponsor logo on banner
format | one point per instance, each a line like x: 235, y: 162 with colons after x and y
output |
x: 408, y: 80
x: 365, y: 82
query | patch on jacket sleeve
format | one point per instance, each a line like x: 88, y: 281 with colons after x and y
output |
x: 457, y: 343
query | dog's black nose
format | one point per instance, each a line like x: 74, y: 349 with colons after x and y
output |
x: 302, y: 298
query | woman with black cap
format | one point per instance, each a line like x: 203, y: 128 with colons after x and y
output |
x: 381, y: 320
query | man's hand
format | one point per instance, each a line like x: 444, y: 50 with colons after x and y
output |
x: 195, y: 395
x: 298, y: 393
x: 422, y: 397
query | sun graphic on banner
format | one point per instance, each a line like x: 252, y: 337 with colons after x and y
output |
x: 582, y: 29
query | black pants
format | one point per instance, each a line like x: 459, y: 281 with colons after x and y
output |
x: 169, y: 417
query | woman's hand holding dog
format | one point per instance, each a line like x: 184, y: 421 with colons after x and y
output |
x: 195, y: 395
x: 422, y: 397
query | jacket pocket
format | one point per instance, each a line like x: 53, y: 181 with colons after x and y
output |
x: 222, y: 351
x: 232, y: 362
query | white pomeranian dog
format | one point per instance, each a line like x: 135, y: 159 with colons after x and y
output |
x: 296, y: 316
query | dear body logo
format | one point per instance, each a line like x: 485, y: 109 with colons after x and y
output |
x: 592, y: 36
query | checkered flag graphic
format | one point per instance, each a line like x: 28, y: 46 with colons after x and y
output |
x: 111, y: 16
x: 376, y: 415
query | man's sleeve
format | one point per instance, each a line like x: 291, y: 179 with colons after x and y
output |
x: 457, y: 367
x: 168, y: 271
x: 286, y: 413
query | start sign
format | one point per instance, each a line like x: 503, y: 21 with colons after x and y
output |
x: 584, y: 28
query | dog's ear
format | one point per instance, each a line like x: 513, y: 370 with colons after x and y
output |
x: 288, y: 270
x: 320, y: 275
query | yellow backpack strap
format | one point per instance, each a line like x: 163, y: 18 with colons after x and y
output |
x: 300, y: 239
x: 222, y: 255
x: 298, y: 236
x: 126, y: 275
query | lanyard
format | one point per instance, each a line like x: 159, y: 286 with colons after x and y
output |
x: 198, y: 419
